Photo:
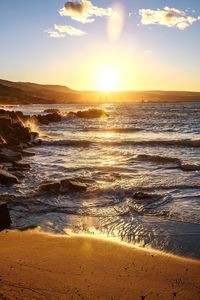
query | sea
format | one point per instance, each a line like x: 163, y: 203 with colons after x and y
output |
x: 141, y: 165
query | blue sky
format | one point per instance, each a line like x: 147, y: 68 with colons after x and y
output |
x: 147, y: 56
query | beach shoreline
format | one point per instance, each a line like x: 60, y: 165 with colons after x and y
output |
x: 42, y: 266
x: 116, y: 170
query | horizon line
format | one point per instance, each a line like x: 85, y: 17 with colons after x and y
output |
x: 102, y: 91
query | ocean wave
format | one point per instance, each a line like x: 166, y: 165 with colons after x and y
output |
x: 151, y: 143
x: 115, y: 130
x: 157, y: 159
x: 190, y: 167
x: 167, y: 160
x: 119, y: 193
x: 117, y: 201
x: 146, y: 203
x: 70, y: 143
x: 159, y: 143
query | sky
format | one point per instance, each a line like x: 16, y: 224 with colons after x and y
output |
x: 93, y: 45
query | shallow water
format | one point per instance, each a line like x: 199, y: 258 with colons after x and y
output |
x: 152, y: 149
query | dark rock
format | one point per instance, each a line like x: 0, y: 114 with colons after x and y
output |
x: 14, y: 137
x: 34, y: 135
x: 51, y: 110
x: 18, y: 174
x: 27, y: 153
x: 23, y: 133
x: 142, y: 196
x: 17, y: 165
x: 49, y: 186
x: 13, y: 115
x: 148, y: 198
x: 50, y: 118
x: 7, y: 178
x: 13, y: 133
x: 62, y: 186
x: 19, y: 114
x: 5, y: 121
x: 3, y: 112
x: 5, y: 220
x: 8, y: 155
x: 12, y: 140
x: 37, y: 142
x: 73, y: 185
x: 89, y: 114
x: 13, y: 130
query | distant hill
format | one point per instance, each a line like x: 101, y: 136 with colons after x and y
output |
x: 156, y: 96
x: 32, y: 93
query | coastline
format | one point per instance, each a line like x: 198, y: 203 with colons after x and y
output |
x: 41, y: 266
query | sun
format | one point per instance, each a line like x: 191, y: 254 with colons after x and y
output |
x: 108, y: 79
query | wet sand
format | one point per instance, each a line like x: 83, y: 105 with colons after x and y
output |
x: 40, y: 266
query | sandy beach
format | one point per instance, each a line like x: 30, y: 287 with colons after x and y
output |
x: 41, y: 266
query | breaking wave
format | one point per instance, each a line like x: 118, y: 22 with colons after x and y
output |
x: 157, y: 159
x: 115, y: 130
x: 152, y: 143
x: 70, y: 143
x: 167, y: 160
x: 159, y: 143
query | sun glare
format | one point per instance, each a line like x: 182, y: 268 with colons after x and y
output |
x: 108, y: 80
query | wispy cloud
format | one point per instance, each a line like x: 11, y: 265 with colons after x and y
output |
x: 61, y: 31
x: 66, y: 29
x: 170, y: 17
x: 54, y: 34
x: 84, y: 11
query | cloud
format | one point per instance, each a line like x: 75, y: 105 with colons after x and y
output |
x: 84, y: 11
x: 54, y: 34
x: 61, y: 31
x: 66, y: 29
x: 170, y: 17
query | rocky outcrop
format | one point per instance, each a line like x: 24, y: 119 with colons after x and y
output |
x: 73, y: 185
x: 49, y: 186
x: 7, y: 178
x: 49, y: 118
x: 89, y: 113
x: 27, y: 153
x: 52, y: 115
x: 8, y: 118
x: 14, y: 138
x: 62, y: 186
x: 8, y: 155
x: 5, y: 220
x: 13, y: 132
x: 20, y: 166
